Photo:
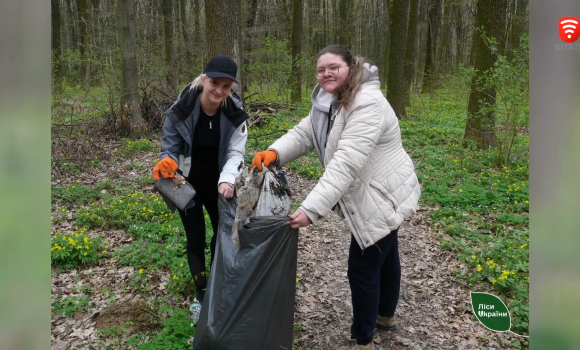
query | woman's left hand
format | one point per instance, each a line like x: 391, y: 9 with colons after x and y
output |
x: 298, y: 219
x: 226, y: 190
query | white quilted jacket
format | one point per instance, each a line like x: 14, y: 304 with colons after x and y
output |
x: 367, y: 171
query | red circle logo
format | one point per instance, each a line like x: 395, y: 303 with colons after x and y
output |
x: 569, y: 29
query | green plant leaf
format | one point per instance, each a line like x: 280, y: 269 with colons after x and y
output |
x: 491, y: 311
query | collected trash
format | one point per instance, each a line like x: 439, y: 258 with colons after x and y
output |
x: 249, y: 302
x: 263, y: 194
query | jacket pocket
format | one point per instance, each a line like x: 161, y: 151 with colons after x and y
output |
x: 388, y: 196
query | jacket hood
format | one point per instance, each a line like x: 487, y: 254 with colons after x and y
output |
x: 321, y: 100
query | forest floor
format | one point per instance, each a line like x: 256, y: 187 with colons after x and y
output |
x: 434, y: 310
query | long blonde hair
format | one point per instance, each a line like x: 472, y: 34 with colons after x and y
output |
x: 353, y: 81
x: 197, y: 83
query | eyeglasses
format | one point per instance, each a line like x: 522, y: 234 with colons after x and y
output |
x: 332, y: 70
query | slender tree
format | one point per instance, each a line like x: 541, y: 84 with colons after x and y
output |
x: 384, y: 63
x: 395, y: 80
x: 480, y: 116
x: 296, y: 76
x: 84, y: 20
x: 432, y: 33
x: 409, y: 68
x: 130, y: 106
x: 248, y: 34
x: 170, y: 77
x: 56, y: 45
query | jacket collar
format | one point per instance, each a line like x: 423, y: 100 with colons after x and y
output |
x: 187, y: 100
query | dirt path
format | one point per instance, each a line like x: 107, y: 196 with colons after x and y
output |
x: 434, y: 311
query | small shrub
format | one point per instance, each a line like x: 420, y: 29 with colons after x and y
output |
x: 122, y: 212
x: 67, y: 306
x: 68, y: 251
x: 175, y: 334
x: 131, y: 148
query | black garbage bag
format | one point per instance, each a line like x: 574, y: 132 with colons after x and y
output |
x: 249, y: 302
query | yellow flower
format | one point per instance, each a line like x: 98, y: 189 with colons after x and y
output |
x: 175, y: 277
x: 140, y: 271
x: 479, y: 268
x: 494, y: 281
x: 85, y: 254
x: 473, y: 257
x: 181, y: 264
x: 104, y: 251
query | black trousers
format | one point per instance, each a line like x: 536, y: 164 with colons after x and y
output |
x: 205, y: 183
x: 374, y: 275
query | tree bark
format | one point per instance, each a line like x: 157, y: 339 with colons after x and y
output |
x: 518, y: 25
x: 170, y: 76
x: 56, y: 46
x: 185, y: 31
x: 342, y: 20
x: 248, y: 35
x: 384, y: 65
x: 395, y: 81
x: 130, y: 117
x: 223, y: 32
x: 84, y: 22
x: 296, y: 76
x: 480, y: 116
x: 432, y: 35
x: 409, y: 68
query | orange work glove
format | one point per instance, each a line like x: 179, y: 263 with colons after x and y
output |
x: 167, y: 167
x: 265, y: 156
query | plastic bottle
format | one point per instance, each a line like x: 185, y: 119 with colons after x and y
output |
x: 195, y: 311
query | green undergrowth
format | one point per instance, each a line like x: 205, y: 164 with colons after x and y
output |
x: 480, y: 211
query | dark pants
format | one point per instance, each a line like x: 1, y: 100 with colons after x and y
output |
x: 374, y: 275
x: 205, y: 184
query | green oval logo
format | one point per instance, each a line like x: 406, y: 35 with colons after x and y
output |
x: 491, y: 311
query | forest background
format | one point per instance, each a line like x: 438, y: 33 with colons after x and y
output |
x: 455, y: 72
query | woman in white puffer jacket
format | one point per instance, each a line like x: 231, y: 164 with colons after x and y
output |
x: 368, y: 178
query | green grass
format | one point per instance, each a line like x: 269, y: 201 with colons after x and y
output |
x: 481, y: 211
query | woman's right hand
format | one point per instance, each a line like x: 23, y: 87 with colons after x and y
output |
x: 265, y: 157
x: 166, y: 167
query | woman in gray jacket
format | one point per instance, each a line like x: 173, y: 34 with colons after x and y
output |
x: 204, y: 139
x: 368, y: 179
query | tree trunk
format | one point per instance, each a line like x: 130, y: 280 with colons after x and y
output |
x: 395, y: 83
x: 130, y: 117
x: 518, y: 24
x: 56, y: 48
x: 409, y: 68
x: 170, y: 76
x: 83, y: 21
x: 480, y: 116
x: 342, y: 23
x: 432, y: 36
x: 384, y: 65
x: 223, y: 32
x: 185, y: 31
x: 296, y: 76
x: 196, y: 24
x: 248, y: 35
x: 474, y: 40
